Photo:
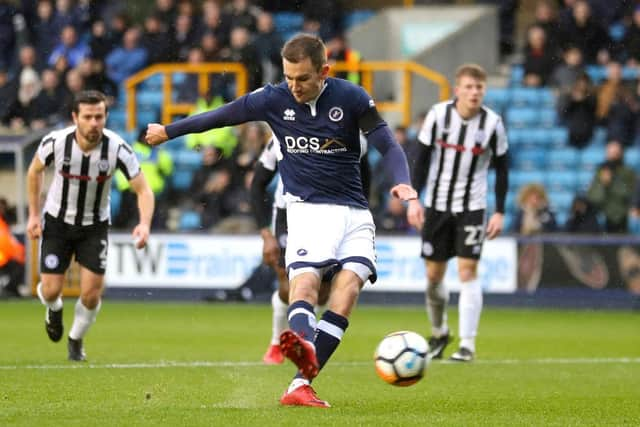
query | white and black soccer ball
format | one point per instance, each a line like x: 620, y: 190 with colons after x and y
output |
x: 401, y: 358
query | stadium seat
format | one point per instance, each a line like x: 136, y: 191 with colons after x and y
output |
x: 517, y: 74
x: 145, y: 117
x: 149, y: 99
x: 522, y: 117
x: 562, y: 181
x: 519, y: 178
x: 617, y: 31
x: 524, y: 97
x: 188, y: 159
x: 597, y: 73
x: 548, y: 117
x: 567, y: 158
x: 154, y: 82
x: 547, y: 97
x: 529, y: 159
x: 558, y: 136
x: 599, y: 137
x: 629, y: 73
x: 288, y: 21
x: 357, y: 17
x: 497, y: 99
x: 181, y: 179
x: 591, y: 158
x: 561, y: 219
x: 632, y: 157
x: 560, y: 201
x: 517, y: 137
x: 584, y: 180
x: 117, y: 119
x: 189, y: 220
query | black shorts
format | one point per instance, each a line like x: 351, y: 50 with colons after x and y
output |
x: 61, y: 240
x: 280, y: 225
x: 447, y: 234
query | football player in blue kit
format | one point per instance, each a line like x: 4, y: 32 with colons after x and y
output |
x: 317, y: 120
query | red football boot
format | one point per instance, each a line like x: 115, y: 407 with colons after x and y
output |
x: 304, y: 395
x: 300, y: 352
x: 273, y: 356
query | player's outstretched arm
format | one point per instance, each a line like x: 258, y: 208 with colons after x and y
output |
x: 146, y: 205
x: 35, y: 176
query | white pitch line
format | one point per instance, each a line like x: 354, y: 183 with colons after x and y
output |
x: 222, y: 364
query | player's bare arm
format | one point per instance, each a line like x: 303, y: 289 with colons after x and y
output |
x: 270, y: 247
x: 146, y: 205
x: 415, y: 214
x: 495, y: 225
x: 35, y: 176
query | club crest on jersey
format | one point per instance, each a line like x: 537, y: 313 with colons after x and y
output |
x: 479, y: 137
x: 336, y: 114
x: 289, y: 115
x: 103, y: 165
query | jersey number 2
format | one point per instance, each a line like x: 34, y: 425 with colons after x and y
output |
x: 474, y: 234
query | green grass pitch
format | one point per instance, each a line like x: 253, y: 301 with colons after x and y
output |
x: 181, y: 364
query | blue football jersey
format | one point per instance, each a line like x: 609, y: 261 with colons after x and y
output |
x: 319, y: 141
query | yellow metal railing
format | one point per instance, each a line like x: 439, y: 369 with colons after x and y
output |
x: 169, y: 108
x: 365, y: 68
x: 408, y: 68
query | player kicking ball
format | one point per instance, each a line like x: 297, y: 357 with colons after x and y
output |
x: 317, y: 121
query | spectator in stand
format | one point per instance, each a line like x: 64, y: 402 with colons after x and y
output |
x: 635, y: 207
x: 47, y: 106
x: 393, y: 218
x: 73, y: 83
x: 22, y: 111
x: 7, y: 34
x: 507, y: 21
x: 70, y: 47
x: 566, y: 74
x: 583, y: 217
x: 242, y: 50
x: 95, y: 78
x: 216, y: 23
x: 156, y: 35
x: 547, y: 19
x: 577, y: 111
x: 27, y: 61
x: 167, y: 11
x: 613, y: 188
x: 100, y: 43
x: 338, y: 49
x: 631, y: 41
x: 118, y: 26
x: 534, y: 215
x: 210, y: 200
x: 45, y: 32
x: 617, y: 106
x: 8, y: 95
x: 241, y: 13
x: 12, y: 260
x: 212, y: 161
x: 581, y: 30
x: 268, y: 43
x: 125, y: 60
x: 539, y: 59
x: 323, y: 18
x: 608, y: 90
x: 240, y: 218
x: 184, y: 37
x: 66, y: 14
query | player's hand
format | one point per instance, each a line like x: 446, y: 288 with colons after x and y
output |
x: 34, y: 227
x: 140, y: 235
x: 270, y: 249
x: 415, y: 214
x: 496, y: 222
x: 156, y: 134
x: 404, y: 192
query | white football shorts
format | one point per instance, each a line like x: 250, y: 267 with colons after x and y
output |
x: 322, y: 236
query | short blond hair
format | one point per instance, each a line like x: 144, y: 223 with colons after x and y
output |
x: 471, y: 70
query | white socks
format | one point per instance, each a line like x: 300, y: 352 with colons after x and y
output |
x: 469, y: 309
x: 437, y: 298
x: 297, y: 382
x: 279, y: 323
x: 82, y: 320
x: 55, y: 305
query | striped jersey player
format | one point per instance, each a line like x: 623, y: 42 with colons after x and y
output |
x: 458, y: 142
x: 75, y: 218
x: 317, y: 120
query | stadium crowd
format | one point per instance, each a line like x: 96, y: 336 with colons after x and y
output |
x: 52, y: 49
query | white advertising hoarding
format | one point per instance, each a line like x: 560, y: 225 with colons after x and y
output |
x: 225, y: 262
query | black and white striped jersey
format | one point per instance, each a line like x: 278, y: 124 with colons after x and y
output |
x: 80, y: 189
x: 461, y: 155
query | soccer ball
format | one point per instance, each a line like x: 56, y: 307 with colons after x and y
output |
x: 401, y: 358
